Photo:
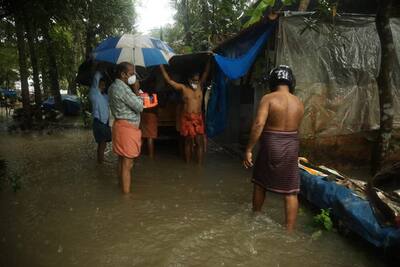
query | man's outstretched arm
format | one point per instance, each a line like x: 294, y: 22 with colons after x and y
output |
x: 256, y: 130
x: 175, y: 85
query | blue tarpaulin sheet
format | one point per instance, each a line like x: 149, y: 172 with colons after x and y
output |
x: 354, y: 212
x: 237, y: 67
x: 233, y: 64
x: 216, y: 109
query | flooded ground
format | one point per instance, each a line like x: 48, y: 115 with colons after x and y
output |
x: 70, y: 212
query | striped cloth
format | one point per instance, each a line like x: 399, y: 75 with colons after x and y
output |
x: 276, y: 166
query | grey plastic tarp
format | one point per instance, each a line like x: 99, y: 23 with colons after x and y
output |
x: 336, y: 73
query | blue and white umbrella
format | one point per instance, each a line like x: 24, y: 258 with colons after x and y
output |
x: 141, y: 50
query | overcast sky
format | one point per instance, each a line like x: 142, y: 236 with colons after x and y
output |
x: 153, y: 14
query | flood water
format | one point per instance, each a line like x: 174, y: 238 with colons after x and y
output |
x: 70, y: 212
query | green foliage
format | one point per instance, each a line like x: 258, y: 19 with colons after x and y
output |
x: 219, y: 20
x: 324, y: 220
x: 325, y: 12
x: 75, y: 27
x: 8, y: 55
x: 288, y: 2
x: 258, y: 12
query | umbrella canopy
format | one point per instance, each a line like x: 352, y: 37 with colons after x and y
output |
x: 141, y: 50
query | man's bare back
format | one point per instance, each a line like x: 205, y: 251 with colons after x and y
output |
x: 285, y: 111
x: 278, y: 119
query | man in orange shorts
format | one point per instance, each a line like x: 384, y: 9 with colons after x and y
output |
x: 149, y: 127
x: 126, y: 106
x: 191, y: 122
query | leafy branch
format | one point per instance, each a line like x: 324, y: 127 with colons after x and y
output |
x: 324, y: 219
x: 257, y: 13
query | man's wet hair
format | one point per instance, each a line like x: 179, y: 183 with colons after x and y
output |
x: 122, y: 67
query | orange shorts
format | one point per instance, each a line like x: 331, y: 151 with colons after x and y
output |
x: 126, y: 139
x: 149, y: 125
x: 192, y: 124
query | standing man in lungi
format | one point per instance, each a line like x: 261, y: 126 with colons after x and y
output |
x: 278, y: 119
x: 100, y: 114
x: 126, y: 106
x: 191, y: 121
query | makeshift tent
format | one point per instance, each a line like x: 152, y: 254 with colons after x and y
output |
x: 336, y: 69
x: 232, y: 66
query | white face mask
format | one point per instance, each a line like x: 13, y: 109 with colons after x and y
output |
x: 132, y: 79
x: 194, y: 85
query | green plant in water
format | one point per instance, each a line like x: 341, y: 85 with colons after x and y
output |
x: 324, y: 220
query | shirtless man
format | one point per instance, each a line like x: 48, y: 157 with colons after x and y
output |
x: 192, y: 125
x: 278, y: 119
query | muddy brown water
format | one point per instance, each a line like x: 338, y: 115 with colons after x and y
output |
x: 70, y: 212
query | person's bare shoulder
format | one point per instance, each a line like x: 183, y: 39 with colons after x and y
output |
x: 273, y: 98
x: 266, y: 99
x: 299, y: 103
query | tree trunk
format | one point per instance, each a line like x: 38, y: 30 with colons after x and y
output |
x: 53, y: 70
x: 72, y: 84
x: 186, y: 25
x: 23, y: 70
x: 90, y: 32
x: 45, y: 78
x: 76, y: 58
x: 384, y: 78
x: 34, y: 63
x: 89, y: 42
